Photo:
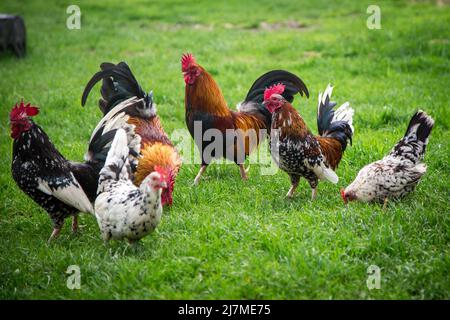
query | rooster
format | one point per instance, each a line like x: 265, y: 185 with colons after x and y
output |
x: 399, y: 172
x: 124, y: 99
x: 61, y: 187
x: 206, y: 105
x: 123, y: 210
x: 296, y: 150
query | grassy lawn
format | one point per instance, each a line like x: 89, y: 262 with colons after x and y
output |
x: 228, y: 238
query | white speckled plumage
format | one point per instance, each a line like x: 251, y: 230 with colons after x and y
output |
x: 123, y: 210
x: 397, y: 173
x: 297, y: 151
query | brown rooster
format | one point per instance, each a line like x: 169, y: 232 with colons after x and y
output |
x: 124, y: 102
x: 296, y: 150
x: 206, y: 109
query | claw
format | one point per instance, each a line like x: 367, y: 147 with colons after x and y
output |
x: 243, y: 172
x: 54, y: 235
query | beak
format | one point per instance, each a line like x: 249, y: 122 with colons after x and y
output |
x: 343, y: 196
x: 163, y: 184
x: 264, y: 103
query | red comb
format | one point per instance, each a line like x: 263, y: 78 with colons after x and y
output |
x: 275, y: 89
x: 186, y: 60
x: 162, y: 171
x: 21, y: 111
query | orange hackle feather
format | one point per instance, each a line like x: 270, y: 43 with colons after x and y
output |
x: 206, y: 96
x: 156, y: 155
x: 331, y: 149
x: 156, y: 148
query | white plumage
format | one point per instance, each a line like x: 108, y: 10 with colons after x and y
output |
x: 69, y: 192
x: 397, y: 173
x: 123, y: 210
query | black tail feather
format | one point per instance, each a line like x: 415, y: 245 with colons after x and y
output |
x: 255, y: 96
x: 293, y: 85
x: 413, y: 145
x: 425, y: 124
x: 118, y: 84
x: 328, y: 126
x: 97, y: 146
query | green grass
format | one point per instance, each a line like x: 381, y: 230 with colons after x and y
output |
x: 228, y: 238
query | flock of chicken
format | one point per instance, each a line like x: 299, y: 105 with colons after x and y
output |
x: 131, y: 165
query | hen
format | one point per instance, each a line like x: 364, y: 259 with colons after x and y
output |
x: 399, y: 172
x: 207, y: 112
x: 123, y: 97
x: 296, y: 150
x: 123, y: 210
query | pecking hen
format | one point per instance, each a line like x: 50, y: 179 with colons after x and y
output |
x: 399, y: 172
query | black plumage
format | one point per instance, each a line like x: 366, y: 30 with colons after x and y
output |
x: 41, y: 171
x: 118, y: 85
x: 255, y: 95
x: 63, y: 188
x: 293, y: 85
x: 328, y: 126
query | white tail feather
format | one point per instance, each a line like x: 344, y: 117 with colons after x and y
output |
x: 324, y: 173
x: 323, y: 96
x: 344, y: 113
x: 118, y: 154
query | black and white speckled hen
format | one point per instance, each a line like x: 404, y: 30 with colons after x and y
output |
x: 61, y: 187
x: 296, y: 150
x: 123, y: 210
x: 399, y: 172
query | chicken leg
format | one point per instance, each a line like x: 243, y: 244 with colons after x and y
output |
x: 243, y: 172
x: 75, y: 224
x: 55, y: 234
x: 313, y: 194
x: 294, y: 184
x: 199, y: 174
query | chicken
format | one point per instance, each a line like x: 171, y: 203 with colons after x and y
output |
x: 123, y: 98
x: 207, y: 112
x: 124, y: 211
x: 61, y: 187
x: 399, y: 172
x: 296, y: 150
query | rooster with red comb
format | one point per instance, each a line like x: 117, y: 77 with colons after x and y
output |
x: 205, y: 106
x: 296, y: 150
x: 63, y: 188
